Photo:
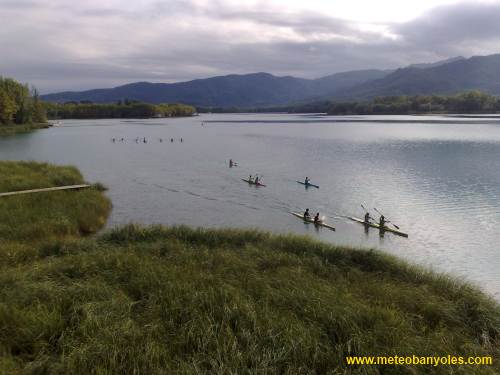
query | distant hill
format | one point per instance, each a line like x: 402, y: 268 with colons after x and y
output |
x: 437, y: 63
x: 476, y: 73
x: 250, y: 90
x: 265, y: 90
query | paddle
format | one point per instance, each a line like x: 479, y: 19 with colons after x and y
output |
x: 395, y: 226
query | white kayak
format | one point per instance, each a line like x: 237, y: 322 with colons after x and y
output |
x: 310, y: 220
x: 375, y: 225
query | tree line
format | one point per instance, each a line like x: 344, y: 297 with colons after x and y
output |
x: 463, y: 103
x: 121, y: 109
x: 19, y: 104
x: 468, y: 102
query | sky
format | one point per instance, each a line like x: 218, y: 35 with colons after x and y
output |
x: 61, y: 45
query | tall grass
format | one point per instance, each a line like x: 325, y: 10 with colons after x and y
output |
x: 154, y: 300
x: 42, y: 216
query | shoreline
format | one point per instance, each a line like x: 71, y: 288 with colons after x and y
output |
x: 7, y: 130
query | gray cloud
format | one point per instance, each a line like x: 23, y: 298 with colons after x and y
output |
x: 58, y: 45
x: 463, y: 28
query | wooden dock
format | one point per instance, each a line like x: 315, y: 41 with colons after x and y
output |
x: 71, y: 187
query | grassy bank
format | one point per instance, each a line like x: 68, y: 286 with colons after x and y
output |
x: 6, y: 130
x: 31, y: 218
x: 161, y: 301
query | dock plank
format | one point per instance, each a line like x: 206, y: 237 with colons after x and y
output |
x: 57, y: 188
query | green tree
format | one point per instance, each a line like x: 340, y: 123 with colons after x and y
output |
x: 18, y: 104
x: 8, y: 107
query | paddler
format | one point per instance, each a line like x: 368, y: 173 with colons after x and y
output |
x: 307, y: 180
x: 230, y: 163
x: 316, y: 218
x: 250, y: 179
x: 367, y: 218
x: 306, y: 214
x: 381, y: 221
x: 256, y: 180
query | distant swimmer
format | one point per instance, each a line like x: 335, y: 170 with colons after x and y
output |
x: 122, y: 140
x: 307, y: 215
x: 171, y: 140
x: 161, y: 140
x: 114, y: 140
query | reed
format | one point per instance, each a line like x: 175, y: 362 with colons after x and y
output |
x: 156, y: 300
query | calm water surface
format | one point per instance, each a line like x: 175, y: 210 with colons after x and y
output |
x: 438, y: 178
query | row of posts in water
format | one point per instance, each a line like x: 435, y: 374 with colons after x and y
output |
x: 142, y: 140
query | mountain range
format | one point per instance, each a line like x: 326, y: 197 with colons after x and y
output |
x: 264, y: 89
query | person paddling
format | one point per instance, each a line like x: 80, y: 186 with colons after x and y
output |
x: 316, y: 218
x: 306, y: 214
x: 307, y: 181
x: 382, y: 221
x: 230, y: 163
x: 367, y: 218
x: 257, y: 180
x: 250, y: 179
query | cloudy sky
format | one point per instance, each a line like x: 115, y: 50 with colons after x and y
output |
x: 74, y: 45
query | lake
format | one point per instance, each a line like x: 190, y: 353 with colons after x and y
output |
x: 436, y: 177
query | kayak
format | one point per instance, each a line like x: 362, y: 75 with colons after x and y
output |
x: 375, y: 225
x: 319, y: 224
x: 308, y: 184
x: 253, y: 183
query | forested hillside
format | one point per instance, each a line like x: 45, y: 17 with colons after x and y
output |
x: 244, y: 91
x: 260, y: 90
x: 468, y: 102
x: 476, y: 73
